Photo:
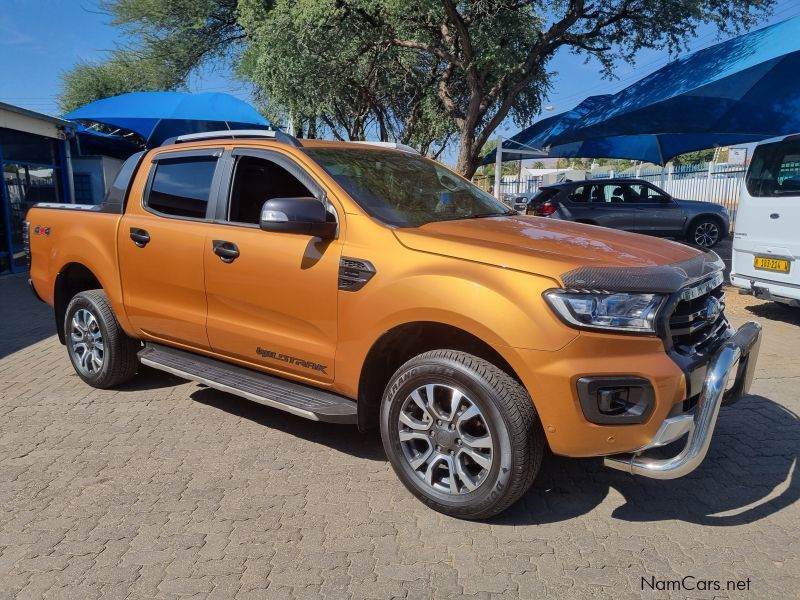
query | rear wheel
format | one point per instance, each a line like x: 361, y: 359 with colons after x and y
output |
x: 705, y: 232
x: 100, y: 351
x: 461, y: 434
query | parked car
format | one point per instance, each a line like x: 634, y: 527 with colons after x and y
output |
x: 367, y: 285
x: 633, y: 205
x: 766, y: 245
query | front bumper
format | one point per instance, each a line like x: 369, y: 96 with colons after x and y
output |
x: 739, y: 352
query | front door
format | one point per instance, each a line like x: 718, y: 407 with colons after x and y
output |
x: 274, y: 303
x: 161, y: 242
x: 657, y: 213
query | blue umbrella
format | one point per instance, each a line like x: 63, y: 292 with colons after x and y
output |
x: 742, y: 89
x: 156, y: 116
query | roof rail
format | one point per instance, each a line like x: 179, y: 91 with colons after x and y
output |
x: 278, y: 136
x: 395, y: 145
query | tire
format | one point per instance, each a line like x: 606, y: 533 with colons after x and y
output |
x: 705, y: 232
x: 492, y: 411
x: 100, y: 351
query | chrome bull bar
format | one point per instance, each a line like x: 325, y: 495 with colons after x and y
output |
x: 739, y: 352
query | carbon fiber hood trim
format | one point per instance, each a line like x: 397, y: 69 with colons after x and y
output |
x: 665, y: 279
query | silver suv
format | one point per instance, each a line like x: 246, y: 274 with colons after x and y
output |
x: 633, y: 205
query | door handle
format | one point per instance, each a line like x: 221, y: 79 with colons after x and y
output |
x: 227, y: 251
x: 140, y: 237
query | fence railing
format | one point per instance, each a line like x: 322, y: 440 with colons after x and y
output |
x: 718, y: 183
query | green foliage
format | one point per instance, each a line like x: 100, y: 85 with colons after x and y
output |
x: 417, y: 71
x: 694, y: 158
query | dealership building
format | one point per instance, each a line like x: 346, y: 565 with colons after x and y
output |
x: 47, y: 159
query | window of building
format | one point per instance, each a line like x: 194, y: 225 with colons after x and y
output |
x: 83, y: 188
x: 181, y: 186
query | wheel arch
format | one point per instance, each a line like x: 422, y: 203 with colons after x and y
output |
x: 71, y: 279
x: 711, y: 216
x: 401, y: 343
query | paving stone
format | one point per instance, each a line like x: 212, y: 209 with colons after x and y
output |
x: 165, y: 489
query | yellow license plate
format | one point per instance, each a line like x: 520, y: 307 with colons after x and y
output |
x: 771, y: 264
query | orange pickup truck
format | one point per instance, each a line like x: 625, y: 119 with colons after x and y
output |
x: 364, y: 284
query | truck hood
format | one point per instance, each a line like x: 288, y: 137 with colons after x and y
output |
x: 561, y: 249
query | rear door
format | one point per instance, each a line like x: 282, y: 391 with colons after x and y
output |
x: 161, y: 241
x: 610, y: 206
x: 766, y: 238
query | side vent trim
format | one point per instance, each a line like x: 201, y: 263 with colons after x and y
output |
x: 354, y: 273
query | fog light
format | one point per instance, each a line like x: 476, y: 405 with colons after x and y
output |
x: 615, y: 400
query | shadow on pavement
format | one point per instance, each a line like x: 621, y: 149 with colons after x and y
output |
x: 750, y: 472
x: 343, y: 438
x: 775, y: 311
x: 25, y: 320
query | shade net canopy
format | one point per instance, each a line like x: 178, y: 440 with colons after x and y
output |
x: 157, y: 116
x: 742, y: 90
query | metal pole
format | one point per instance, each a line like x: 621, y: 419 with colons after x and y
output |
x: 498, y: 167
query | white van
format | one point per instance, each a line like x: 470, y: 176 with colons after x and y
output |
x: 766, y: 244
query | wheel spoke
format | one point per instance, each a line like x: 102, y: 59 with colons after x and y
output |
x: 451, y: 469
x: 432, y: 408
x: 407, y: 436
x: 413, y: 423
x: 465, y: 477
x: 455, y: 402
x: 420, y: 459
x: 415, y: 396
x: 468, y: 414
x: 481, y: 459
x: 484, y: 442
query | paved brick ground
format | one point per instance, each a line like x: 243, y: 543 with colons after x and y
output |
x: 164, y: 489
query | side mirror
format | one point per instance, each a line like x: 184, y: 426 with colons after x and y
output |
x: 306, y: 216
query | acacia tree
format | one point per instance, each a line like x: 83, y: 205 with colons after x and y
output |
x: 494, y: 53
x: 417, y: 71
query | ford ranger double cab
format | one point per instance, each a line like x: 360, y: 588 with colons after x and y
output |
x: 364, y: 284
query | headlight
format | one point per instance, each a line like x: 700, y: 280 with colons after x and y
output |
x: 607, y: 310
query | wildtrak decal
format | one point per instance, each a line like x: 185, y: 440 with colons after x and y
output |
x: 292, y: 360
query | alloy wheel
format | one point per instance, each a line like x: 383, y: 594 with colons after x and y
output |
x: 706, y: 234
x: 445, y: 439
x: 86, y: 342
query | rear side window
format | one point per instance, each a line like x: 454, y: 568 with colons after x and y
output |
x: 181, y: 186
x: 579, y: 194
x: 544, y: 195
x: 775, y: 170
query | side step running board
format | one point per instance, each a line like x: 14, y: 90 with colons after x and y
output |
x: 295, y: 398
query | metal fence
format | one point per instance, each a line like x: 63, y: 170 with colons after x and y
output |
x: 719, y: 183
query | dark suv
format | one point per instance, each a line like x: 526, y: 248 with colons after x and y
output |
x: 633, y: 205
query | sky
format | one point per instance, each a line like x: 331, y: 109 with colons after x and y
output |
x: 42, y: 39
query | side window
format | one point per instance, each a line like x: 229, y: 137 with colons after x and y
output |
x: 181, y: 186
x: 614, y: 193
x: 579, y: 194
x: 646, y: 195
x: 256, y: 180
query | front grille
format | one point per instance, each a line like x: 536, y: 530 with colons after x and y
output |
x: 697, y: 323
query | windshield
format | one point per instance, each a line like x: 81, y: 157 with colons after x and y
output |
x: 775, y: 170
x: 404, y: 189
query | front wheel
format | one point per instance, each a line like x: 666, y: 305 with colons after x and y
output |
x: 461, y: 434
x: 705, y: 232
x: 100, y: 351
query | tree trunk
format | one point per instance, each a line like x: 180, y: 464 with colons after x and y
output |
x: 468, y: 156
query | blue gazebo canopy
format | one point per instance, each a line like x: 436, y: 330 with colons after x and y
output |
x: 742, y: 90
x: 156, y: 116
